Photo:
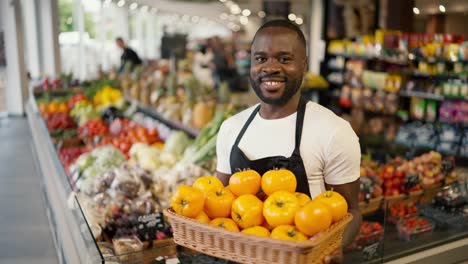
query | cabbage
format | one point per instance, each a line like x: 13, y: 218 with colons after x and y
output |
x: 177, y: 142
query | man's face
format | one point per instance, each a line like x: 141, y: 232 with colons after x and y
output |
x: 278, y: 63
x: 120, y: 43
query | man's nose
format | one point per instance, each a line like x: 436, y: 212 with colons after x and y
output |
x: 271, y: 66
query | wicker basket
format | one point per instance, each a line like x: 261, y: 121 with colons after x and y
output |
x: 430, y: 192
x: 244, y: 248
x: 371, y: 206
x: 413, y: 198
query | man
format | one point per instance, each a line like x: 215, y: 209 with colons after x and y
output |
x: 320, y: 148
x: 128, y: 55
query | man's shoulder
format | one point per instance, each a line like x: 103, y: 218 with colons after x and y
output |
x: 320, y: 116
x: 239, y: 119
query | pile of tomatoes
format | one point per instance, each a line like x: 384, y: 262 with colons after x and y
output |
x: 280, y: 213
x: 53, y: 107
x: 92, y: 128
x: 55, y: 121
x: 400, y: 210
x: 128, y: 134
x: 411, y: 226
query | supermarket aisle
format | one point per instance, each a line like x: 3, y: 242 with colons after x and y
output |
x: 24, y: 229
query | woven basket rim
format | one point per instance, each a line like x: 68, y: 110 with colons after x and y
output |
x: 303, y: 245
x: 373, y: 200
x: 402, y: 196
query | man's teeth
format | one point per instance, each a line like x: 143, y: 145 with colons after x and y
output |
x: 272, y: 83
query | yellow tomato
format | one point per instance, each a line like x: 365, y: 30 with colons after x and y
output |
x: 288, y: 232
x: 257, y: 231
x: 302, y: 198
x: 280, y: 208
x: 278, y: 180
x: 202, y: 217
x: 62, y: 107
x: 314, y: 217
x: 247, y: 211
x: 226, y: 223
x: 42, y: 107
x: 218, y: 203
x: 188, y: 201
x: 207, y: 183
x: 245, y: 182
x: 335, y: 203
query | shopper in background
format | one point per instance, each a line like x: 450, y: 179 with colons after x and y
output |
x: 202, y: 65
x: 128, y: 55
x: 223, y: 66
x: 325, y: 150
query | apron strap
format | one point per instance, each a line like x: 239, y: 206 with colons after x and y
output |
x: 246, y: 125
x: 300, y: 122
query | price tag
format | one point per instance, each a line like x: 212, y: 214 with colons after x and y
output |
x: 149, y: 224
x: 371, y: 251
x: 411, y: 181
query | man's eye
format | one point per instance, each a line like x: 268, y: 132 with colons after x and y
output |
x: 284, y: 59
x: 260, y: 59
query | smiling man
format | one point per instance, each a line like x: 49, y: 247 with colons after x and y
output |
x: 286, y: 131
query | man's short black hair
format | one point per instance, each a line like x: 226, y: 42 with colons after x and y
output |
x: 284, y: 24
x: 119, y: 39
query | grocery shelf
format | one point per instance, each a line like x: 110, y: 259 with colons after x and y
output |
x: 438, y: 76
x: 192, y: 132
x: 423, y: 95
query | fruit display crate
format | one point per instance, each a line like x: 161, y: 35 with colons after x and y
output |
x: 243, y: 248
x: 412, y: 227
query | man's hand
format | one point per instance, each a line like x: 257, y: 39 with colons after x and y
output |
x: 336, y: 257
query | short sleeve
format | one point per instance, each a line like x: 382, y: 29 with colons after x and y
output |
x: 343, y: 157
x: 223, y: 151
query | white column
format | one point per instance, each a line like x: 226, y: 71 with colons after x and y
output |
x: 78, y: 15
x: 150, y: 34
x: 316, y: 44
x: 50, y: 45
x: 121, y: 19
x: 30, y: 8
x: 16, y: 82
x: 139, y: 32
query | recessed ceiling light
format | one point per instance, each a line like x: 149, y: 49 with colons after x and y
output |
x: 244, y: 20
x: 292, y: 17
x: 261, y: 14
x: 133, y: 6
x: 299, y: 21
x: 246, y: 12
x: 121, y: 3
x: 442, y: 8
x: 416, y: 10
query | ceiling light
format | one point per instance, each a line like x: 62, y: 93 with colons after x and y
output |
x: 229, y: 4
x: 235, y: 9
x: 195, y: 19
x: 144, y: 8
x: 133, y: 6
x: 292, y: 17
x: 186, y: 18
x: 222, y: 1
x: 244, y: 20
x: 442, y: 8
x: 416, y: 10
x: 299, y: 21
x: 232, y: 17
x: 261, y: 14
x: 121, y: 3
x: 107, y: 2
x: 246, y: 12
x: 224, y: 16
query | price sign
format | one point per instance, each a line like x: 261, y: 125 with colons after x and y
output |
x: 411, y: 181
x: 371, y: 251
x: 149, y: 224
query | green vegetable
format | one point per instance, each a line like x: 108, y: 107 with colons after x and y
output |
x: 176, y: 143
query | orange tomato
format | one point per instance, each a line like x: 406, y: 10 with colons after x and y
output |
x: 313, y: 218
x: 245, y: 182
x: 188, y: 201
x: 302, y: 198
x: 62, y: 107
x: 226, y: 223
x: 257, y: 231
x: 218, y: 203
x: 52, y: 107
x: 42, y: 107
x: 278, y: 180
x: 287, y: 232
x: 246, y: 211
x: 335, y: 203
x: 207, y: 183
x: 202, y: 217
x: 280, y: 208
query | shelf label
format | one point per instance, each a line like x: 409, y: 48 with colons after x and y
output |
x: 149, y: 224
x: 371, y: 251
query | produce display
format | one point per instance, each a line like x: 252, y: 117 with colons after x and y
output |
x: 369, y: 233
x: 411, y: 227
x: 279, y: 214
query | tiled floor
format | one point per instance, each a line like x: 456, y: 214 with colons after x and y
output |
x: 24, y: 229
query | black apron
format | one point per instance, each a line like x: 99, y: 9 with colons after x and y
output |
x: 239, y: 161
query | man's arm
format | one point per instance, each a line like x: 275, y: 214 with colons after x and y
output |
x: 223, y: 177
x: 350, y: 192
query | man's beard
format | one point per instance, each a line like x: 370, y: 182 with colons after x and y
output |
x: 290, y: 90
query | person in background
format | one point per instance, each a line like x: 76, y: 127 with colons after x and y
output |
x: 128, y: 55
x: 201, y: 65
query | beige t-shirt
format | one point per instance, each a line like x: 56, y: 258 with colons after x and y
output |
x: 329, y: 147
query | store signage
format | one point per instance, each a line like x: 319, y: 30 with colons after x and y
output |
x: 371, y: 251
x: 411, y: 181
x: 149, y: 224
